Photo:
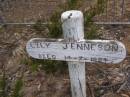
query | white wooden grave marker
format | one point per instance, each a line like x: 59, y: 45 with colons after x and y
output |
x: 104, y: 51
x: 76, y: 50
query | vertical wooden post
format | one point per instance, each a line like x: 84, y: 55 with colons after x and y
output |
x: 72, y: 25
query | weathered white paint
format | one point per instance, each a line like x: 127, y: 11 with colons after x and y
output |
x: 72, y: 24
x: 104, y: 51
x: 76, y: 50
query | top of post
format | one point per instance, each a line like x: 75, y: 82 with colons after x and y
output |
x: 71, y: 14
x: 72, y: 24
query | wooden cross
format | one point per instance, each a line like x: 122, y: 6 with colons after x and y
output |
x: 76, y: 50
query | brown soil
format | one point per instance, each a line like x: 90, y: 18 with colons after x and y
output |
x: 104, y: 80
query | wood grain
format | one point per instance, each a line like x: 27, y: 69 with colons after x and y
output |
x: 103, y: 51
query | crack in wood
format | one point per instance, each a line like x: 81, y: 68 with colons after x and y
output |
x: 81, y: 88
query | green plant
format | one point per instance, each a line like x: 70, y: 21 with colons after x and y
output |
x: 54, y: 66
x: 92, y: 32
x: 39, y: 27
x: 73, y: 4
x: 49, y: 66
x: 91, y: 28
x: 18, y: 87
x: 3, y: 87
x: 88, y: 16
x: 2, y: 28
x: 34, y: 65
x: 101, y: 4
x: 98, y: 8
x: 55, y: 29
x: 3, y: 83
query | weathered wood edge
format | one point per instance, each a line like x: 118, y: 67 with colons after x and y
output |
x: 88, y: 41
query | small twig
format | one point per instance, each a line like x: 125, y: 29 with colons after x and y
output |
x: 121, y: 87
x: 90, y: 90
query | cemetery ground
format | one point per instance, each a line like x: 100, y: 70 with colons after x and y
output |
x: 51, y: 79
x: 21, y: 76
